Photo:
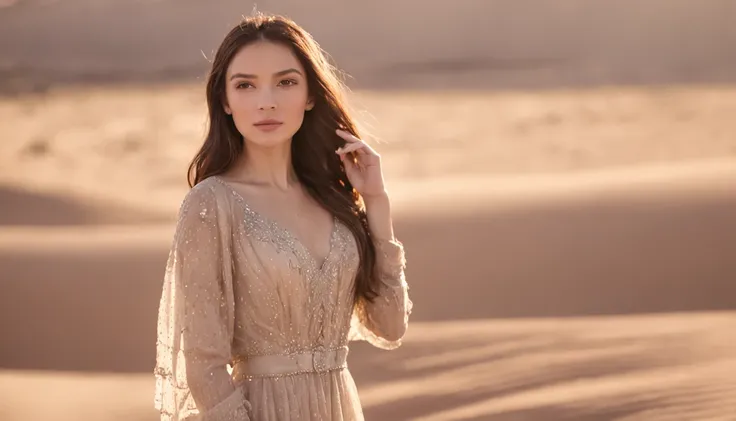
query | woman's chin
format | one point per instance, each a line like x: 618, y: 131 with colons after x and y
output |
x: 267, y: 140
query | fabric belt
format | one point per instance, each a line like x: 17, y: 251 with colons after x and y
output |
x: 318, y: 360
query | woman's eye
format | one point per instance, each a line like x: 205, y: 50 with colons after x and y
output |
x: 243, y: 85
x: 287, y: 82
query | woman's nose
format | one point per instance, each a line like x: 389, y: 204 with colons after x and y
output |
x: 267, y: 100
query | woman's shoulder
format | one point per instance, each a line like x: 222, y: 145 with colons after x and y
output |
x: 211, y: 188
x: 208, y: 194
x: 203, y: 214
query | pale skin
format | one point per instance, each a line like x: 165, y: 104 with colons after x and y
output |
x: 266, y: 81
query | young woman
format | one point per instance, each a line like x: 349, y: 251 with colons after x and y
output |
x: 284, y: 248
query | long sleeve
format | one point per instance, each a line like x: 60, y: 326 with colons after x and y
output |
x: 196, y: 318
x: 384, y: 321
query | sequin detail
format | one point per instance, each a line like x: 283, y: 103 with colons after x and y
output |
x: 238, y: 286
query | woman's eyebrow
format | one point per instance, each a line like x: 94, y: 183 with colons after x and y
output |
x: 279, y: 73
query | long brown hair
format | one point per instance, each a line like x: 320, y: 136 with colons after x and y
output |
x: 312, y: 148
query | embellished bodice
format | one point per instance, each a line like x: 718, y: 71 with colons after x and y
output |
x: 288, y: 302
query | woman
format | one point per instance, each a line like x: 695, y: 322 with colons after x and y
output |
x: 284, y: 248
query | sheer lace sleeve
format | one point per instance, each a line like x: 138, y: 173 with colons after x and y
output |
x: 383, y: 322
x: 195, y: 317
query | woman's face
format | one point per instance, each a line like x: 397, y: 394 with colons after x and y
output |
x: 266, y: 93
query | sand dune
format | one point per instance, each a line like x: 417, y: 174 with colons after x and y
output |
x: 470, y: 44
x: 657, y: 368
x: 27, y: 208
x: 549, y: 295
x: 69, y: 143
x: 565, y: 286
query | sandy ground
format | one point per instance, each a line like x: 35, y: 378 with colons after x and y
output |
x: 571, y: 251
x: 663, y: 367
x: 602, y: 295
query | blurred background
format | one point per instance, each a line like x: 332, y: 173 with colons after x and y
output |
x: 563, y: 175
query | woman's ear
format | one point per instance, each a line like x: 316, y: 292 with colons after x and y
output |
x: 310, y: 104
x: 227, y: 109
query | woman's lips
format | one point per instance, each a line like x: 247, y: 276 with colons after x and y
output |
x: 268, y: 125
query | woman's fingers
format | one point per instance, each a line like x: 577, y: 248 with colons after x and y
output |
x: 347, y: 136
x: 352, y: 147
x: 354, y: 144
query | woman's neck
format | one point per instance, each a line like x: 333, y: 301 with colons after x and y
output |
x: 266, y: 167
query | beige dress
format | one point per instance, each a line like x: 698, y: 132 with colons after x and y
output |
x: 251, y: 327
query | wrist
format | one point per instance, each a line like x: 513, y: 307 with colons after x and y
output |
x: 375, y: 199
x: 378, y: 210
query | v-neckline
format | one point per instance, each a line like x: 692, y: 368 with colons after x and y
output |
x: 320, y: 265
